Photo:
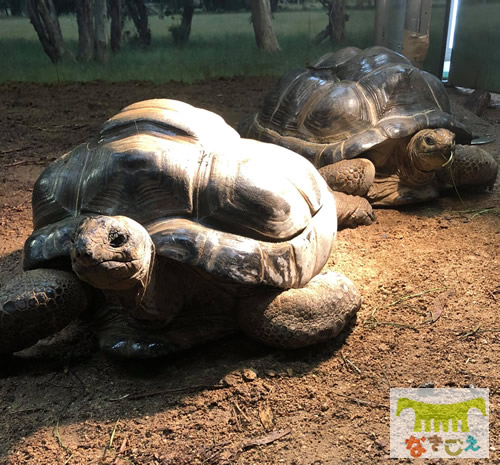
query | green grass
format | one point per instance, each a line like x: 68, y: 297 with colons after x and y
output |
x: 220, y: 45
x: 224, y: 45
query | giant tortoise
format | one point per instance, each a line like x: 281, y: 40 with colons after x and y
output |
x: 169, y: 230
x: 374, y: 125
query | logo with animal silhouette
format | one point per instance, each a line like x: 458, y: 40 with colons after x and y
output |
x: 439, y: 423
x: 441, y: 414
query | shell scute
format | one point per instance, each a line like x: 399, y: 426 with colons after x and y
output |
x: 139, y: 175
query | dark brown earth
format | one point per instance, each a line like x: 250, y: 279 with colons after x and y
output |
x: 430, y: 280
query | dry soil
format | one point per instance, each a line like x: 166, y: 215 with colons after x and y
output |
x: 429, y: 276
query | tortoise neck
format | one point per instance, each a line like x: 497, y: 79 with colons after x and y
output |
x: 408, y: 169
x: 135, y: 299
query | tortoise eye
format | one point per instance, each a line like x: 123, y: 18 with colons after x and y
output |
x: 429, y: 140
x: 117, y: 238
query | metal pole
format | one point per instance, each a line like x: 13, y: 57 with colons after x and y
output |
x: 416, y: 30
x: 389, y: 23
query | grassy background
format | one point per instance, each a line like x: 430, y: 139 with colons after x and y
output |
x: 220, y: 45
x: 224, y: 45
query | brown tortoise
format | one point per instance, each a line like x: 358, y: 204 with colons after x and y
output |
x: 166, y: 226
x: 375, y: 126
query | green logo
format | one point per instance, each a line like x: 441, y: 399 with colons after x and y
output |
x: 441, y: 413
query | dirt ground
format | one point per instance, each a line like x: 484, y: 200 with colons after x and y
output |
x: 430, y: 281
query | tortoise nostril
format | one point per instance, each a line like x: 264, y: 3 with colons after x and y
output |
x: 83, y: 254
x: 117, y: 239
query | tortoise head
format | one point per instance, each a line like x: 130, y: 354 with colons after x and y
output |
x: 430, y: 149
x: 113, y: 252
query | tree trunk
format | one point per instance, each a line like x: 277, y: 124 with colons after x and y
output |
x: 182, y: 32
x: 43, y: 16
x: 100, y: 42
x: 262, y: 26
x: 116, y: 24
x: 337, y: 18
x: 85, y: 20
x: 139, y: 14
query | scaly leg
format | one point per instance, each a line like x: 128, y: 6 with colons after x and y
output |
x: 471, y: 167
x: 352, y: 177
x: 350, y: 180
x: 37, y: 304
x: 122, y: 336
x: 353, y: 210
x: 300, y: 317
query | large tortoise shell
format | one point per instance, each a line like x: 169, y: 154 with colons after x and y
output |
x: 207, y: 196
x: 350, y: 101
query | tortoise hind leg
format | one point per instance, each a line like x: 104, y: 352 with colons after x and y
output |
x: 300, y: 317
x: 37, y: 304
x: 472, y: 167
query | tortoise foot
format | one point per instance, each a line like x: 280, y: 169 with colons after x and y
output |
x: 353, y: 210
x: 37, y: 304
x: 122, y: 336
x: 301, y: 317
x: 388, y: 191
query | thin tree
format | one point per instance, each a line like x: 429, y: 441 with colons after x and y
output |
x: 100, y: 39
x: 182, y: 32
x: 116, y: 24
x: 44, y: 18
x: 85, y: 21
x: 263, y: 27
x: 335, y: 29
x: 139, y: 14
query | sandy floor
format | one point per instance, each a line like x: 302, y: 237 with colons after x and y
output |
x: 430, y: 280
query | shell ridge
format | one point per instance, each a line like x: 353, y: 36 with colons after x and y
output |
x: 433, y: 94
x: 368, y: 100
x: 285, y: 93
x: 77, y: 207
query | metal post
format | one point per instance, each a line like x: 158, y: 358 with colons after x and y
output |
x: 444, y: 42
x: 416, y: 30
x: 389, y: 23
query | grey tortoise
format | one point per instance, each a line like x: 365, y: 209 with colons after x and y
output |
x: 375, y: 126
x: 169, y: 231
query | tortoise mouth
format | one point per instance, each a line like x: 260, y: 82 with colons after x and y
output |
x: 108, y: 274
x: 432, y: 160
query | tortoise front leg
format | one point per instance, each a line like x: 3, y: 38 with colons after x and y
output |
x: 353, y: 210
x: 300, y: 317
x: 350, y: 180
x: 352, y: 177
x: 391, y: 191
x: 122, y: 336
x: 37, y: 304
